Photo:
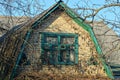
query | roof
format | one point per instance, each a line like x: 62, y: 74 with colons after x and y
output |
x: 38, y: 19
x: 108, y: 40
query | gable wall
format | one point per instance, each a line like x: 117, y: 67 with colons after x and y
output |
x: 59, y: 22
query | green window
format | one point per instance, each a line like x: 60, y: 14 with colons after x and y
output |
x: 59, y: 48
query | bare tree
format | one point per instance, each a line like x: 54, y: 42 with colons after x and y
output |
x: 107, y: 14
x: 18, y: 11
x: 89, y: 11
x: 15, y: 12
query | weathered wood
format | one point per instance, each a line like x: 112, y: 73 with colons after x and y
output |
x: 61, y: 23
x: 88, y: 66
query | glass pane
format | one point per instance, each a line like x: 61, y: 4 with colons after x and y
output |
x: 45, y: 57
x: 52, y: 40
x: 63, y: 56
x: 65, y: 40
x: 54, y: 58
x: 72, y: 55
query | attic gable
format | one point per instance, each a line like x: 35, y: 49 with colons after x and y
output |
x: 66, y: 23
x: 74, y: 17
x: 61, y: 6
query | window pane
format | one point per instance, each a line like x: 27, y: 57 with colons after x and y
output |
x: 52, y: 40
x: 65, y: 40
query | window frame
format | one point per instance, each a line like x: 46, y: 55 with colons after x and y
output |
x: 59, y: 47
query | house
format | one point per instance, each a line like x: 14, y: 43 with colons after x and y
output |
x: 109, y: 42
x: 55, y: 45
x: 7, y: 22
